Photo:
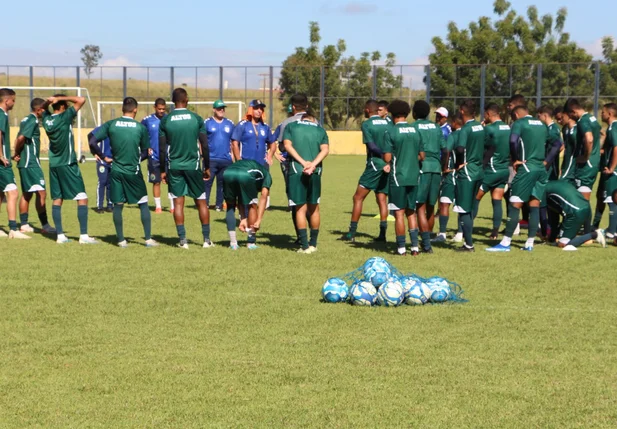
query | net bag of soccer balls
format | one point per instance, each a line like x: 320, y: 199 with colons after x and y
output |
x: 377, y: 282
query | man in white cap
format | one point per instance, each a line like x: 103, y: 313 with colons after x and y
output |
x: 441, y: 118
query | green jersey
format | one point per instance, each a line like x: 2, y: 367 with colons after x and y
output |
x: 29, y: 128
x: 432, y: 141
x: 5, y: 131
x: 471, y: 139
x: 127, y: 140
x: 373, y: 131
x: 182, y: 128
x: 497, y: 134
x: 554, y: 133
x: 306, y: 138
x: 562, y: 196
x: 568, y: 164
x: 248, y: 167
x: 532, y: 135
x: 59, y: 129
x: 609, y: 144
x: 404, y: 142
x: 588, y: 124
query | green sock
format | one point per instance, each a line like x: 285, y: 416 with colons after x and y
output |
x: 252, y: 237
x: 230, y: 218
x: 587, y: 224
x: 400, y: 241
x: 117, y: 216
x: 443, y: 223
x: 413, y: 236
x: 353, y: 227
x: 513, y: 214
x: 23, y: 218
x: 497, y: 213
x: 460, y: 225
x: 383, y: 227
x: 426, y: 240
x: 476, y: 207
x: 181, y: 232
x: 582, y: 239
x: 534, y: 220
x: 303, y: 238
x: 13, y: 225
x: 82, y: 216
x: 146, y: 220
x: 314, y: 235
x: 205, y: 231
x: 56, y: 215
x: 467, y: 224
x: 612, y: 219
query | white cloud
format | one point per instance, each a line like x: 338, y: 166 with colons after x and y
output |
x: 120, y: 61
x: 594, y: 48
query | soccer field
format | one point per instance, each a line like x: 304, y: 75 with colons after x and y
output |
x: 98, y: 336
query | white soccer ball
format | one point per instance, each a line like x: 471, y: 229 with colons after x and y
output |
x: 415, y: 291
x: 377, y: 271
x: 335, y: 290
x: 440, y: 289
x: 363, y: 293
x: 390, y: 294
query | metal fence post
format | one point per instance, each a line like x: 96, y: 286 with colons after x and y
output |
x: 482, y: 89
x: 171, y: 82
x: 221, y: 83
x: 322, y: 96
x: 271, y: 101
x: 124, y: 82
x: 427, y: 72
x: 539, y: 87
x: 31, y: 82
x: 77, y: 77
x: 596, y: 93
x: 374, y: 82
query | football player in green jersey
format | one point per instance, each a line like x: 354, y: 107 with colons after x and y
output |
x: 496, y: 164
x: 129, y: 142
x: 307, y: 144
x: 8, y: 187
x: 609, y: 167
x: 179, y: 133
x: 568, y: 133
x: 27, y: 152
x: 376, y: 173
x: 382, y: 110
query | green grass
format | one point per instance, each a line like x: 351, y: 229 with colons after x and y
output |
x: 106, y: 337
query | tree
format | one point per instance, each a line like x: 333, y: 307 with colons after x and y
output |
x: 348, y: 82
x: 511, y: 47
x: 608, y: 70
x: 90, y: 56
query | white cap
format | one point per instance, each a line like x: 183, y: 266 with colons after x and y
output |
x: 442, y: 111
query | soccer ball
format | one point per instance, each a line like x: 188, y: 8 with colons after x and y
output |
x: 390, y: 294
x: 335, y: 290
x: 415, y: 291
x: 440, y: 289
x: 377, y: 271
x: 363, y: 293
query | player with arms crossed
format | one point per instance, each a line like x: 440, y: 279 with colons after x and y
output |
x: 152, y: 123
x: 178, y: 135
x: 219, y: 129
x: 129, y: 142
x: 496, y: 164
x: 609, y: 173
x: 527, y: 150
x: 375, y: 176
x: 403, y: 152
x: 306, y: 142
x: 568, y: 133
x: 65, y: 180
x: 27, y: 153
x: 469, y: 155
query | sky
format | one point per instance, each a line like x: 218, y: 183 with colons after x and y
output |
x: 248, y: 33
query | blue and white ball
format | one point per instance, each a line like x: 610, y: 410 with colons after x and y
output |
x: 335, y: 290
x: 363, y: 293
x: 390, y: 294
x: 440, y: 289
x: 415, y: 291
x: 377, y: 271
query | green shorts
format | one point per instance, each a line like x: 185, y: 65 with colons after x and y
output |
x: 494, y: 180
x: 571, y: 225
x: 527, y: 184
x: 7, y: 180
x: 402, y: 197
x: 374, y: 178
x: 428, y: 188
x: 32, y: 179
x: 304, y: 189
x: 465, y: 194
x: 585, y: 176
x: 610, y: 187
x: 127, y: 188
x: 186, y: 182
x: 446, y: 193
x: 239, y: 186
x: 66, y: 183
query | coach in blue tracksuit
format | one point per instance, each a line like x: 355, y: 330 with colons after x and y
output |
x: 219, y: 130
x: 102, y: 171
x: 252, y: 137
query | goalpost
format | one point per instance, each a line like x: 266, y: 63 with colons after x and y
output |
x: 79, y: 91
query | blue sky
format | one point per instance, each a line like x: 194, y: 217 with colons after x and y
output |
x: 248, y: 32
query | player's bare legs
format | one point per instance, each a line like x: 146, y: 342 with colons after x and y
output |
x: 156, y: 192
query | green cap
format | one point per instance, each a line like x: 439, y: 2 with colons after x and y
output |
x: 219, y: 103
x: 290, y: 109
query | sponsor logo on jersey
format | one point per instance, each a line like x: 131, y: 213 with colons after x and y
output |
x: 504, y: 127
x: 126, y: 124
x: 476, y: 128
x: 183, y: 117
x: 535, y: 122
x: 427, y: 126
x: 380, y: 122
x: 406, y: 130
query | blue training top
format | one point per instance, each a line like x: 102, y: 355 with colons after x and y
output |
x: 105, y: 147
x: 152, y: 122
x: 219, y: 138
x: 253, y: 146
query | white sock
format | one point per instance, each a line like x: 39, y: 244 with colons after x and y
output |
x: 505, y: 241
x: 458, y: 234
x: 529, y: 242
x: 401, y: 251
x: 157, y: 202
x: 442, y: 234
x: 171, y: 201
x: 268, y: 202
x: 233, y: 241
x: 414, y: 249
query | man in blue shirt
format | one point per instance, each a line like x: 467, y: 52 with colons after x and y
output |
x: 252, y: 137
x: 102, y: 170
x: 441, y: 118
x: 151, y: 122
x: 219, y: 129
